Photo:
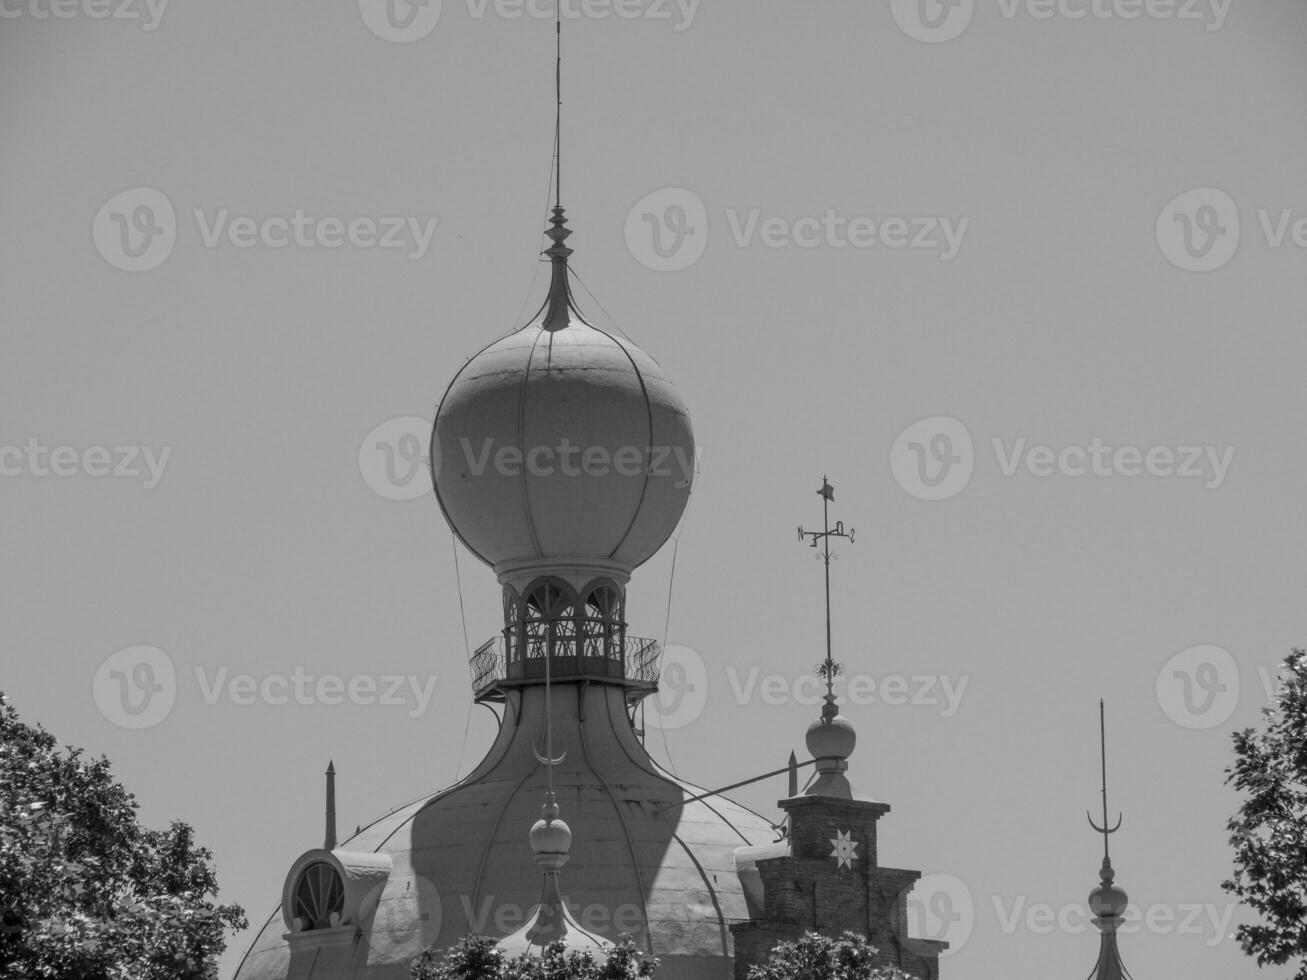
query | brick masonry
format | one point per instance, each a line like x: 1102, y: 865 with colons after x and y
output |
x: 812, y: 889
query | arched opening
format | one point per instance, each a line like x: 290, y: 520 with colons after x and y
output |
x: 319, y: 897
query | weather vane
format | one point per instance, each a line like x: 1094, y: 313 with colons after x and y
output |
x: 1104, y: 829
x: 830, y: 669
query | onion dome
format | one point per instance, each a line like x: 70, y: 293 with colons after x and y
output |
x: 562, y: 447
x: 551, y: 921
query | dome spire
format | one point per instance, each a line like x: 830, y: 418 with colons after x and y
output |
x: 1107, y: 901
x: 831, y: 738
x: 558, y: 307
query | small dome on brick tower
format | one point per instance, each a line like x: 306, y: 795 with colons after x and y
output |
x: 562, y: 449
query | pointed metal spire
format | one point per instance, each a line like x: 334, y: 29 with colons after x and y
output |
x: 831, y: 738
x: 1107, y: 901
x: 329, y: 843
x: 829, y: 669
x: 559, y: 306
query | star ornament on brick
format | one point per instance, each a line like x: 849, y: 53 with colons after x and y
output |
x: 844, y: 849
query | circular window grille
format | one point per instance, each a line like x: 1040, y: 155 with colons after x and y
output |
x: 319, y: 897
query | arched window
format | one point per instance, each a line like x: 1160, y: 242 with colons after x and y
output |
x: 601, y: 623
x: 319, y: 897
x: 548, y: 620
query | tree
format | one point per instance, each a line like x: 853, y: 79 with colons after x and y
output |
x: 480, y: 958
x: 1269, y: 832
x: 85, y: 891
x: 816, y: 957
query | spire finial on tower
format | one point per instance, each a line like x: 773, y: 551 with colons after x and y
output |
x: 829, y: 669
x: 1107, y: 901
x: 831, y: 738
x: 558, y: 109
x: 1106, y: 831
x: 329, y: 843
x: 558, y: 306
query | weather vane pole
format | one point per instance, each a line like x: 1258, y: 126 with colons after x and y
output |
x: 830, y: 668
x: 1104, y: 829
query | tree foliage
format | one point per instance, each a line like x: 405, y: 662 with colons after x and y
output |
x: 480, y: 958
x: 816, y: 957
x: 85, y: 891
x: 1269, y: 832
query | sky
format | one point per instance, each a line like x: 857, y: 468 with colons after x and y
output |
x: 1024, y: 279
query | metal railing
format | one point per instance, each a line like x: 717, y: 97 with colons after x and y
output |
x: 639, y: 662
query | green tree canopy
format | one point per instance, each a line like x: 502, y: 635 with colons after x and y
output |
x: 85, y: 891
x: 1269, y: 832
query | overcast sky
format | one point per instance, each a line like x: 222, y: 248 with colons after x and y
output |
x: 1025, y: 279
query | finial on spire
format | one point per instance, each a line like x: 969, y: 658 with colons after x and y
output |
x: 831, y: 738
x: 558, y: 112
x: 1106, y: 831
x: 1107, y: 901
x: 329, y: 844
x: 829, y: 669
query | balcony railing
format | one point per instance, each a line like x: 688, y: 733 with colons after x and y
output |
x: 637, y: 666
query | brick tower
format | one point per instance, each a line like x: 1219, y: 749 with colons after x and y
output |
x: 824, y: 875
